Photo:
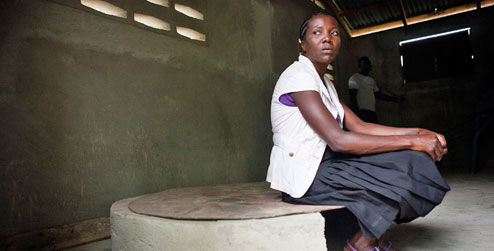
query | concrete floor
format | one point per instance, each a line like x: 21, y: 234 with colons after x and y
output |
x: 104, y: 245
x: 464, y: 221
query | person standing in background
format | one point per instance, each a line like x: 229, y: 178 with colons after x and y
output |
x: 364, y: 91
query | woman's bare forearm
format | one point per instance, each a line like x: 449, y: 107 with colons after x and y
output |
x: 376, y: 129
x: 324, y: 124
x: 354, y: 124
x: 357, y: 143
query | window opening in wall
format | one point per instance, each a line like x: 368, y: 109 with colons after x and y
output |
x: 151, y: 15
x: 163, y: 3
x: 441, y: 55
x: 188, y: 11
x: 105, y: 7
x: 151, y: 21
x: 190, y: 33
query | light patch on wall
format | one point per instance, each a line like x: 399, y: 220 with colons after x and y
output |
x: 164, y: 3
x: 329, y: 76
x: 190, y: 33
x: 188, y: 11
x: 105, y: 7
x: 319, y: 4
x: 151, y: 21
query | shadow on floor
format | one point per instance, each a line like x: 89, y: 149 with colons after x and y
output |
x: 340, y: 225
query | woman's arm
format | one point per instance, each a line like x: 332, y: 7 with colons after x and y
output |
x: 353, y: 123
x: 321, y: 120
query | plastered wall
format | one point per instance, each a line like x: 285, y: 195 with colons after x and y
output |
x: 94, y: 110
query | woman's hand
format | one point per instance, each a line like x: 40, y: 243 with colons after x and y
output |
x: 439, y: 136
x: 430, y: 144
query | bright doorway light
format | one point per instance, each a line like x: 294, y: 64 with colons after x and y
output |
x: 435, y: 35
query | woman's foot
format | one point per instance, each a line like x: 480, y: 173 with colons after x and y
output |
x: 386, y: 245
x: 359, y: 243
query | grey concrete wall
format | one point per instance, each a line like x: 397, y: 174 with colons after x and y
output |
x: 94, y: 110
x: 446, y: 105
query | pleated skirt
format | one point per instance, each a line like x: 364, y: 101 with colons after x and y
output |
x: 378, y: 189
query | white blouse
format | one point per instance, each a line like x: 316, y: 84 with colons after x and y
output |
x: 298, y: 149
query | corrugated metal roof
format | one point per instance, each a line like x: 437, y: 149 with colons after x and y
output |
x: 364, y: 16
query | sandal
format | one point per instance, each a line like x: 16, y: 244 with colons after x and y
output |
x: 387, y: 246
x: 373, y: 249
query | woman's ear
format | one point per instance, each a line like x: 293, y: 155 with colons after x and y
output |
x: 302, y: 46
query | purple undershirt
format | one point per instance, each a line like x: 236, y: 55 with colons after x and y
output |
x: 287, y: 100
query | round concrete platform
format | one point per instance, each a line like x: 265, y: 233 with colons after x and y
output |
x: 221, y: 202
x: 247, y: 217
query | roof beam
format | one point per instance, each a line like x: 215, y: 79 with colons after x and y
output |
x: 339, y: 17
x: 377, y: 28
x: 404, y: 14
x: 414, y: 20
x: 443, y: 13
x: 486, y: 3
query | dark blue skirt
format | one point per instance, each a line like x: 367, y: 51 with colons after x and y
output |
x: 378, y: 188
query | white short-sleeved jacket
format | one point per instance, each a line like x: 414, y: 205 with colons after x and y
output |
x: 298, y: 149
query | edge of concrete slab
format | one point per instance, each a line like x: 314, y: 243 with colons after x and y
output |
x: 131, y: 231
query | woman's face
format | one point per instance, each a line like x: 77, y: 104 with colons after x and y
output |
x: 322, y: 40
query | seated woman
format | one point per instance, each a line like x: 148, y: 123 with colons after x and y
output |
x: 379, y: 173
